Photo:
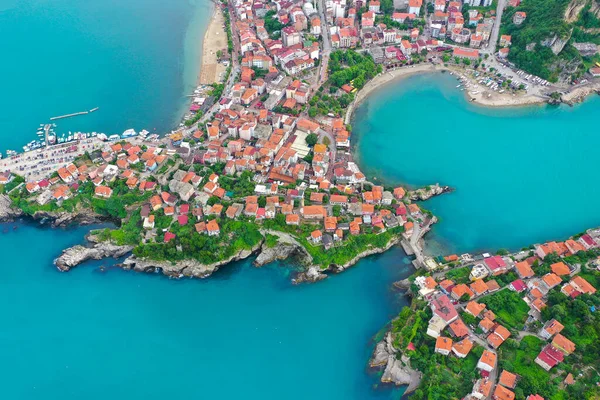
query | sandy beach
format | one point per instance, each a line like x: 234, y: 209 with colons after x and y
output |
x: 494, y: 99
x: 215, y: 39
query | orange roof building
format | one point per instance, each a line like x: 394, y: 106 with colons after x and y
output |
x: 560, y: 268
x: 443, y: 345
x: 524, y: 270
x: 563, y: 344
x: 502, y: 393
x: 508, y: 379
x: 458, y: 328
x: 474, y: 308
x: 463, y: 348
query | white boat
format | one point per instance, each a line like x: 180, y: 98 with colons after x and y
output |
x: 129, y: 133
x: 114, y: 137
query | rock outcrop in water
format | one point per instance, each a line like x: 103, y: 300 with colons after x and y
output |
x: 311, y: 275
x: 64, y: 219
x: 75, y: 255
x: 428, y: 192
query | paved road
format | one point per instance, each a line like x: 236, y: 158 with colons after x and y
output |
x: 491, y: 47
x: 326, y: 43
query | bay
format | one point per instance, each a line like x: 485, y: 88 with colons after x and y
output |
x: 522, y: 175
x: 135, y: 59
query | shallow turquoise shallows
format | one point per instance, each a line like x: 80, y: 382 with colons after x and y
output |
x: 244, y: 333
x: 522, y: 175
x: 135, y: 59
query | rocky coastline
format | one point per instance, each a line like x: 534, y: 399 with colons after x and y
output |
x: 7, y: 212
x: 395, y: 371
x: 78, y: 254
x: 427, y: 192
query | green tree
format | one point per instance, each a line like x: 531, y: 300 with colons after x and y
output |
x: 311, y: 139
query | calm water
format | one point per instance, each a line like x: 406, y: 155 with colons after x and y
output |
x: 135, y: 59
x: 521, y: 175
x: 245, y: 333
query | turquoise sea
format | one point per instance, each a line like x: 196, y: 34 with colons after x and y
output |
x: 243, y: 333
x: 135, y: 59
x: 522, y: 175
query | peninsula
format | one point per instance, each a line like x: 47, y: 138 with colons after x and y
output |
x: 262, y: 165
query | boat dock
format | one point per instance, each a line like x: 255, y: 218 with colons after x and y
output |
x: 74, y: 114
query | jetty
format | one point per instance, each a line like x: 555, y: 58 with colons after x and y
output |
x: 74, y: 114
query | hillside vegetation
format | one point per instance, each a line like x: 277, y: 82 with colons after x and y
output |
x: 537, y: 44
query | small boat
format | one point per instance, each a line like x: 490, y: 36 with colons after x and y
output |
x: 94, y: 109
x: 129, y: 133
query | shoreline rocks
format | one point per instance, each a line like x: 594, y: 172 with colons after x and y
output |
x: 78, y: 254
x: 311, y: 275
x: 396, y: 371
x: 184, y: 268
x: 7, y: 212
x: 428, y: 192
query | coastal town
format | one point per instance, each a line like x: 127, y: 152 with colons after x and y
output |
x: 506, y: 326
x: 262, y: 164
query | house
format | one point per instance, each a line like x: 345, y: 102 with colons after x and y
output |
x: 487, y: 361
x: 414, y: 7
x: 486, y: 324
x: 313, y: 212
x: 502, y: 393
x: 443, y: 307
x: 461, y: 290
x: 474, y: 308
x: 103, y: 191
x: 458, y: 328
x: 550, y: 280
x: 471, y: 54
x: 560, y: 268
x: 496, y: 338
x: 149, y: 222
x: 169, y: 236
x: 478, y: 287
x: 478, y: 271
x: 563, y: 344
x: 212, y: 228
x: 443, y: 345
x: 517, y: 286
x: 461, y: 349
x: 577, y: 286
x: 316, y: 236
x: 482, y: 389
x: 549, y: 357
x: 496, y: 265
x: 292, y: 219
x: 524, y: 270
x: 519, y: 17
x: 505, y: 40
x: 508, y: 379
x: 551, y: 328
x: 426, y: 285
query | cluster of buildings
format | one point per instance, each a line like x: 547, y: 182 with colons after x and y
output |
x: 294, y: 51
x: 455, y: 338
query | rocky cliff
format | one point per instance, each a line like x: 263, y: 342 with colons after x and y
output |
x: 63, y: 219
x: 184, y: 268
x: 7, y: 212
x: 286, y: 247
x: 75, y: 255
x: 396, y: 371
